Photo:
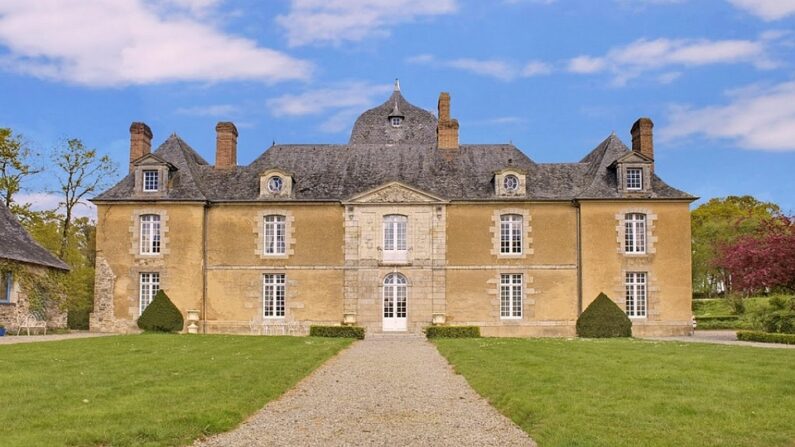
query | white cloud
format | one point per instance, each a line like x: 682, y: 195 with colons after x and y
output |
x: 216, y: 110
x: 337, y: 21
x: 43, y: 201
x: 341, y: 103
x: 128, y: 42
x: 755, y: 118
x: 767, y: 9
x: 642, y: 56
x: 495, y: 68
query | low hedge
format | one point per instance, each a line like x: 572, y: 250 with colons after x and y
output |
x: 766, y: 337
x: 337, y: 331
x: 452, y: 332
x: 719, y: 318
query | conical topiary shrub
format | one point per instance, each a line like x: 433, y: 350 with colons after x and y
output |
x: 161, y: 315
x: 603, y: 318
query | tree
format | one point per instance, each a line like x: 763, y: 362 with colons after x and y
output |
x: 82, y: 172
x: 15, y: 164
x: 762, y: 261
x: 716, y: 223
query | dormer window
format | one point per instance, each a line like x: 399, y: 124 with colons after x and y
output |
x: 634, y: 179
x: 511, y: 183
x: 151, y: 180
x: 275, y: 184
x: 396, y: 121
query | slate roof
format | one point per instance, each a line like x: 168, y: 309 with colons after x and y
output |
x: 379, y: 153
x: 17, y: 245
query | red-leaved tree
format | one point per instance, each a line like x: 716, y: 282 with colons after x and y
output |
x: 762, y: 261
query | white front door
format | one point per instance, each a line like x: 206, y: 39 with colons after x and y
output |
x: 395, y: 296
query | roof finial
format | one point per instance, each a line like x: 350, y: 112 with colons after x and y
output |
x: 397, y: 85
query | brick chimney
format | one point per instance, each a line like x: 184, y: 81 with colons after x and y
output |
x: 140, y: 141
x: 447, y: 129
x: 642, y: 140
x: 225, y: 145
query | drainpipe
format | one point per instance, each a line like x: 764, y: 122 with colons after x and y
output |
x: 576, y: 204
x: 204, y: 265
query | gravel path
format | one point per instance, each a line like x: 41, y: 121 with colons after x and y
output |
x: 16, y: 339
x: 388, y: 390
x: 721, y: 338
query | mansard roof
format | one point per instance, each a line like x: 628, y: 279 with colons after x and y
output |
x: 379, y: 153
x: 17, y: 245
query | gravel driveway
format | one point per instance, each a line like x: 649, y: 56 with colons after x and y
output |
x: 388, y: 390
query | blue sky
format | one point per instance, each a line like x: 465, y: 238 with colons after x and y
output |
x: 553, y: 77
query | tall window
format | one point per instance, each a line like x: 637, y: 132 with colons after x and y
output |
x: 6, y: 285
x: 151, y: 180
x: 149, y: 284
x: 511, y: 234
x: 274, y: 235
x: 636, y: 294
x: 634, y: 179
x: 635, y: 233
x: 150, y: 234
x: 395, y: 247
x: 511, y: 295
x: 395, y: 288
x: 273, y: 295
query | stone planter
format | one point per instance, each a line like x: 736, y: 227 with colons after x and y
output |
x: 349, y: 319
x: 438, y: 319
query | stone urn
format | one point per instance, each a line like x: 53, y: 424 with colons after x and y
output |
x: 193, y: 321
x: 438, y: 319
x: 349, y: 319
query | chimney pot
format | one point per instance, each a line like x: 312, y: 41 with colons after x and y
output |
x: 140, y: 141
x: 225, y: 145
x: 642, y: 138
x: 447, y: 129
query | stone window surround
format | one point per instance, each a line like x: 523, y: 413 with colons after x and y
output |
x: 499, y: 183
x: 652, y: 292
x: 289, y: 233
x: 409, y: 233
x: 12, y: 289
x: 287, y: 184
x: 621, y: 229
x: 162, y: 180
x: 496, y: 228
x: 135, y: 231
x: 528, y: 302
x: 621, y: 172
x: 408, y: 284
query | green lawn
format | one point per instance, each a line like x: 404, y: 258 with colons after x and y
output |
x: 626, y: 392
x: 718, y: 307
x: 145, y: 390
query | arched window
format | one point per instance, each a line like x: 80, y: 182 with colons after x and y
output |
x: 635, y: 233
x: 511, y: 234
x: 150, y: 234
x: 274, y: 234
x: 395, y: 293
x: 395, y: 245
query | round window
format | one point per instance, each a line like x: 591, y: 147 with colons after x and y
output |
x: 275, y: 184
x: 511, y: 183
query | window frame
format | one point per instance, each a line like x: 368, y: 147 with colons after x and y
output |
x: 151, y: 280
x: 278, y: 182
x: 274, y: 226
x: 629, y: 182
x: 151, y: 223
x: 511, y: 238
x: 512, y: 290
x: 512, y: 178
x: 636, y: 298
x: 396, y: 121
x: 274, y: 306
x: 635, y: 233
x: 395, y: 247
x: 144, y: 183
x: 7, y: 282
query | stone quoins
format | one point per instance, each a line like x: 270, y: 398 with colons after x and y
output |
x: 289, y: 233
x: 135, y: 232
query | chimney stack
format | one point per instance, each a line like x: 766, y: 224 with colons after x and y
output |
x: 447, y: 130
x: 225, y: 145
x: 140, y: 141
x: 642, y: 140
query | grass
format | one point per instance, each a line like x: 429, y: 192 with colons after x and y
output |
x: 628, y: 392
x: 146, y: 390
x: 718, y: 307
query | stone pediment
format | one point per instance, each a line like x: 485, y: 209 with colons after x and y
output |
x: 395, y: 192
x: 153, y: 160
x: 633, y: 157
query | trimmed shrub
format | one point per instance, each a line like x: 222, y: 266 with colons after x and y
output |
x: 452, y: 332
x: 766, y: 337
x: 161, y: 315
x: 603, y: 318
x: 778, y: 316
x: 337, y: 331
